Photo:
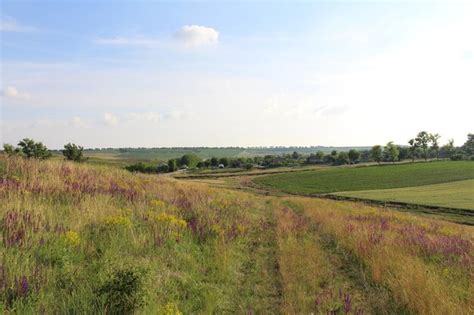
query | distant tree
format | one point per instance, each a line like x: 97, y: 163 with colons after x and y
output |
x: 73, y: 152
x: 392, y: 151
x: 329, y: 159
x: 319, y: 155
x: 404, y: 153
x: 354, y: 155
x: 376, y: 153
x: 468, y: 146
x: 434, y: 138
x: 224, y: 161
x: 423, y: 140
x: 295, y: 155
x: 334, y: 153
x: 10, y: 150
x: 342, y: 158
x: 214, y: 162
x: 31, y: 149
x: 172, y: 167
x: 190, y: 160
x: 448, y: 149
x: 413, y: 148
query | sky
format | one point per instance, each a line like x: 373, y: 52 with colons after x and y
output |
x: 163, y: 74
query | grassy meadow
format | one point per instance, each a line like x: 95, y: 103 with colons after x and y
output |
x: 92, y: 239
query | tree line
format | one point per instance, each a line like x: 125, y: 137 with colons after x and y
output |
x: 424, y: 146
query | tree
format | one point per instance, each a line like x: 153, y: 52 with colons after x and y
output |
x: 354, y: 155
x: 413, y: 148
x: 10, y: 150
x: 190, y: 160
x: 468, y: 146
x: 172, y: 165
x: 448, y: 149
x: 434, y: 138
x: 214, y: 162
x: 295, y: 155
x: 32, y: 149
x: 73, y: 152
x: 392, y: 151
x: 376, y: 153
x: 224, y: 161
x: 423, y: 140
x: 342, y: 158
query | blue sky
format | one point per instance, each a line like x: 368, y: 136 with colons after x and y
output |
x: 116, y: 73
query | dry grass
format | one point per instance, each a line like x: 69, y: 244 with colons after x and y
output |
x: 427, y: 264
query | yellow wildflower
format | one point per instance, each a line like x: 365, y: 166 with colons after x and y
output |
x: 72, y: 238
x: 118, y: 220
x: 171, y: 309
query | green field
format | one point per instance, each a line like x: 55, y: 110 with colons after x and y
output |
x: 459, y: 194
x: 161, y: 154
x: 368, y: 178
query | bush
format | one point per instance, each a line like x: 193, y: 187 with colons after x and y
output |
x: 457, y: 157
x: 123, y: 293
x: 73, y: 152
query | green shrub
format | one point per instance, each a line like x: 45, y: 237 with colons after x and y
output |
x: 123, y: 292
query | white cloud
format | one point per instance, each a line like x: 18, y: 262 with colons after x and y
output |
x: 110, y: 119
x: 148, y: 116
x: 196, y: 35
x: 78, y: 122
x: 127, y: 41
x: 8, y: 24
x: 13, y: 93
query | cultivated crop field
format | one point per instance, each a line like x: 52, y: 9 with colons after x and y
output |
x: 96, y: 239
x: 458, y: 194
x: 369, y: 177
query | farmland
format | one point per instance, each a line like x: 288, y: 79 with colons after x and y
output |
x: 458, y: 194
x: 367, y: 178
x: 97, y: 239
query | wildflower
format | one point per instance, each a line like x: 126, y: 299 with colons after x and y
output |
x: 171, y: 309
x: 72, y: 238
x: 118, y: 220
x: 158, y: 204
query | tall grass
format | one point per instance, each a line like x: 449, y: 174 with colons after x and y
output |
x: 84, y: 239
x: 428, y: 265
x: 97, y: 240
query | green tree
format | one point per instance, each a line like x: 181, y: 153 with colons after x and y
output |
x: 392, y: 151
x: 354, y: 155
x: 448, y: 149
x: 10, y: 150
x: 295, y: 155
x: 423, y: 140
x: 31, y: 149
x: 224, y: 161
x: 413, y: 148
x: 73, y: 152
x: 376, y: 153
x: 468, y: 146
x: 342, y: 158
x: 214, y: 162
x: 434, y: 138
x: 172, y: 165
x: 190, y: 160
